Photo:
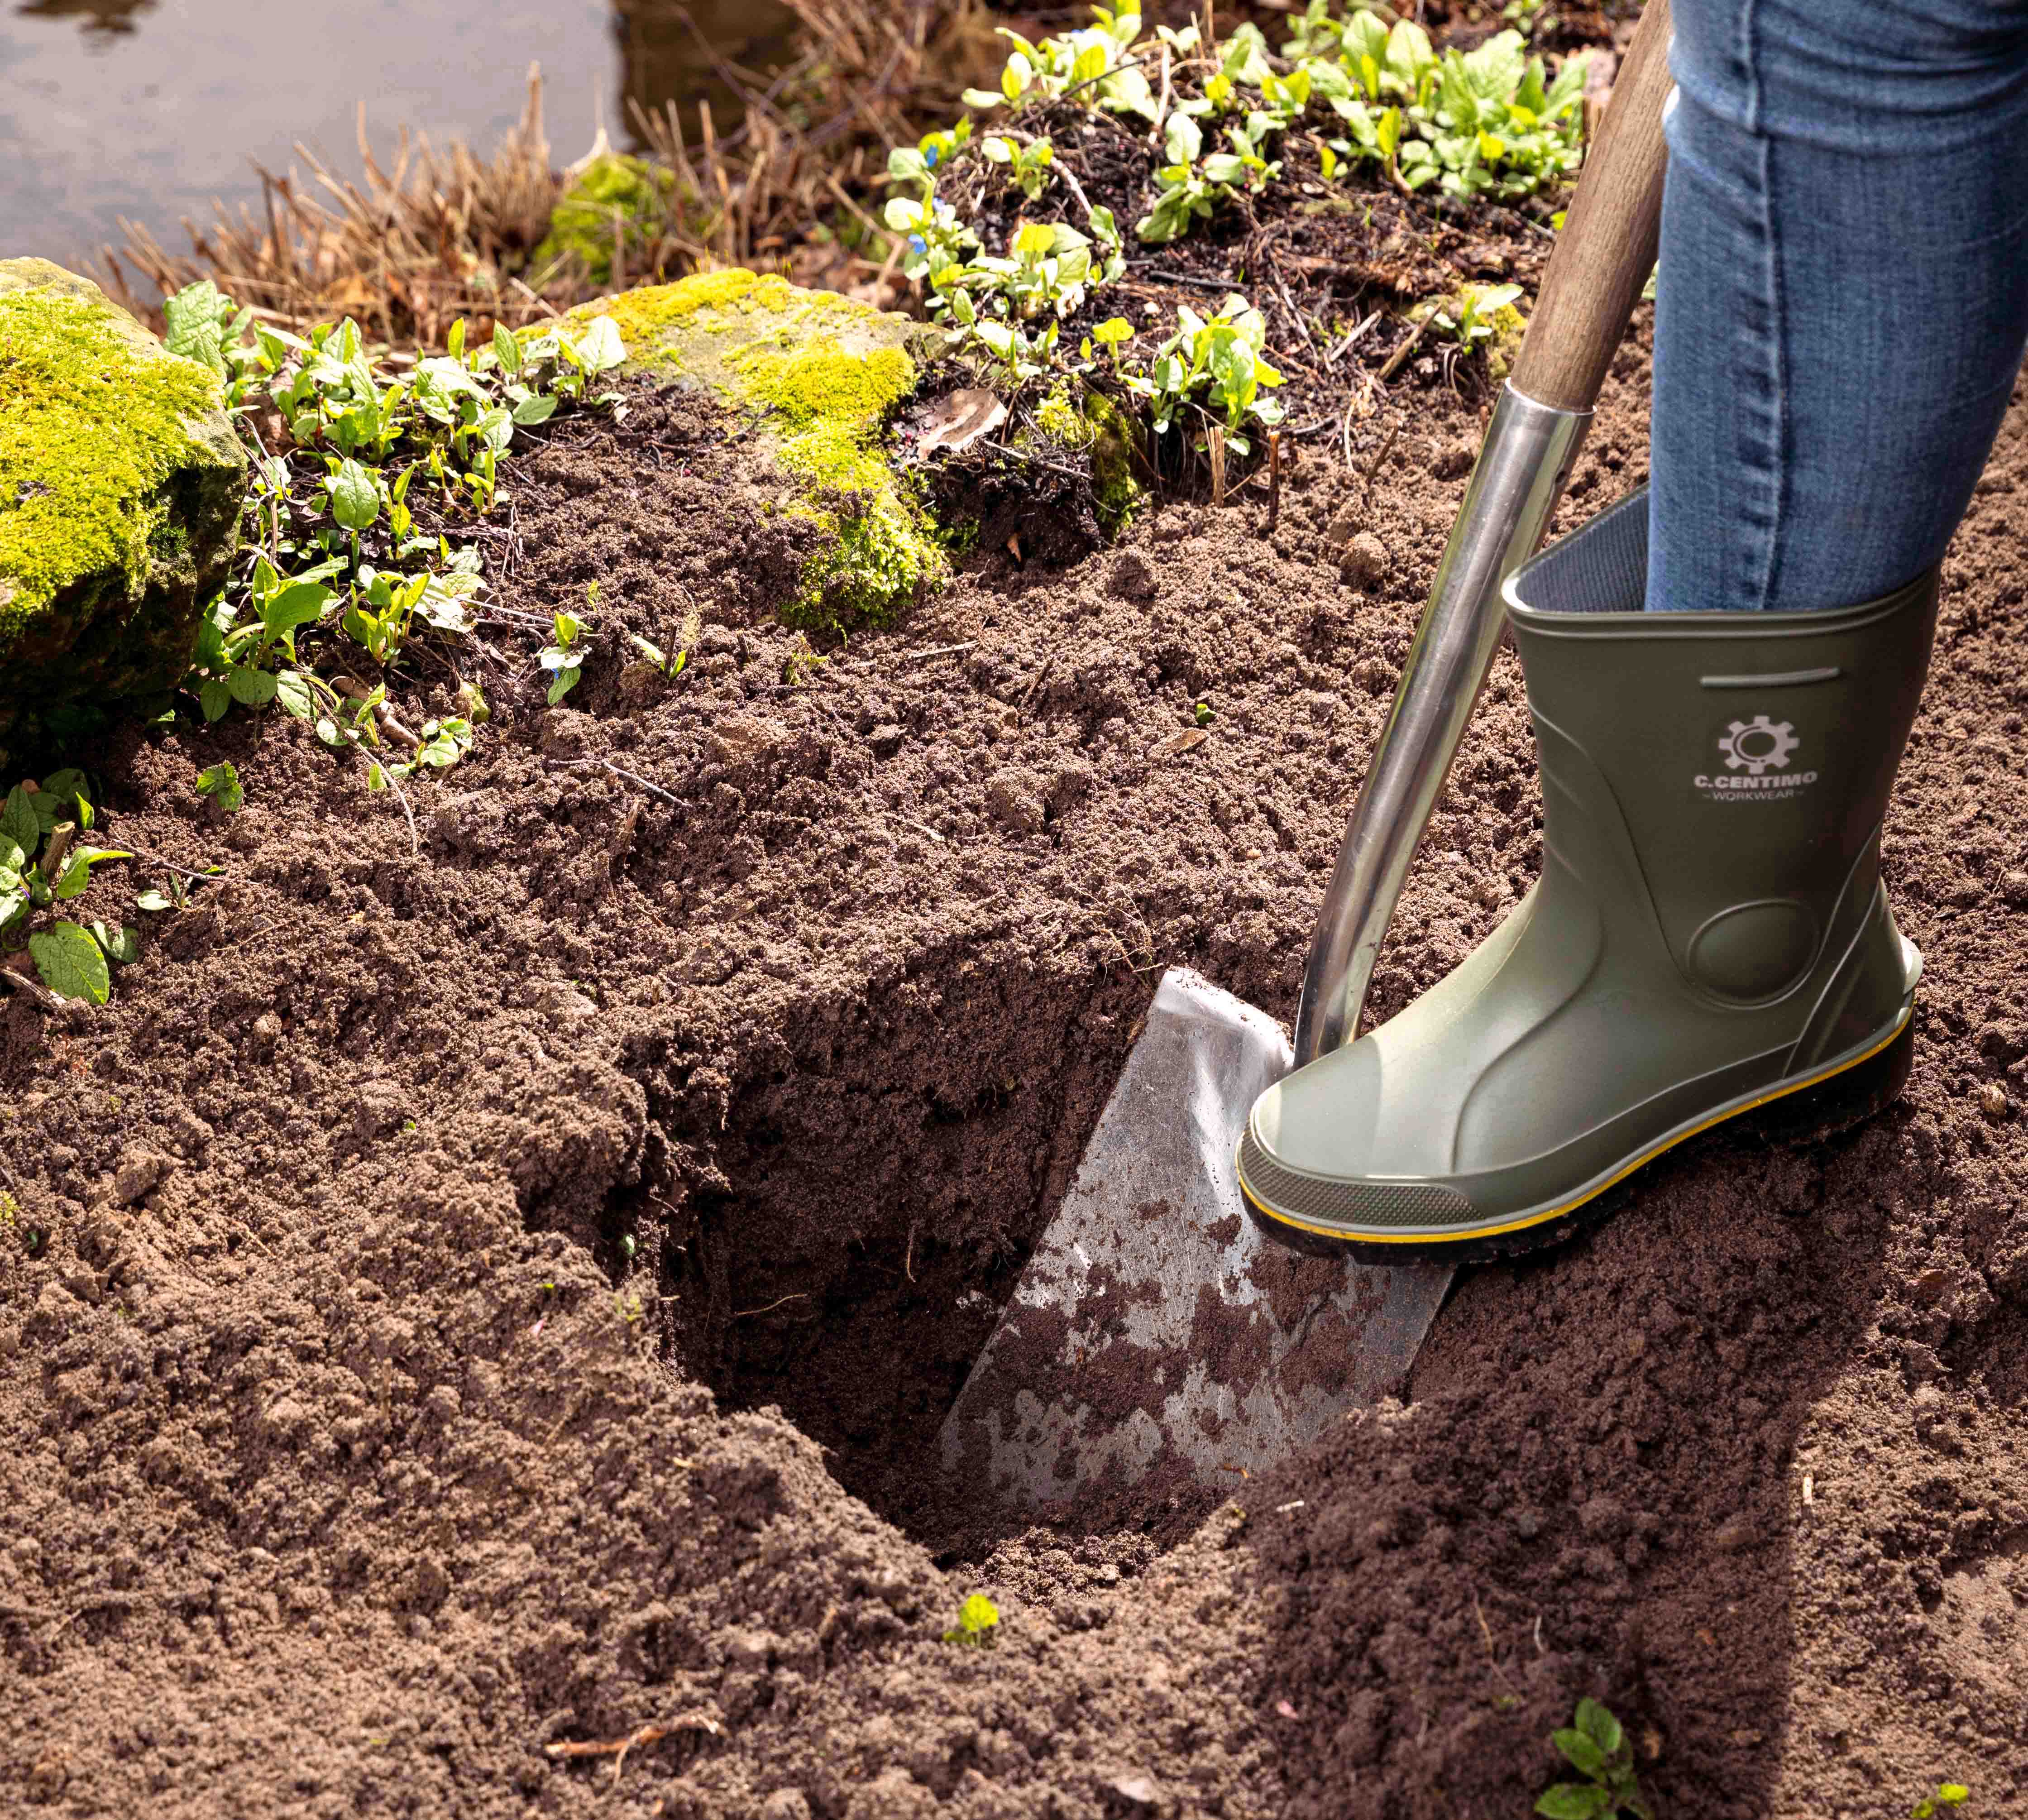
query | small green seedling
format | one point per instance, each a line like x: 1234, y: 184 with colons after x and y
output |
x: 1947, y: 1795
x: 1596, y: 1746
x: 801, y: 663
x: 1203, y: 714
x: 1029, y: 165
x: 1112, y: 335
x: 221, y: 783
x: 563, y: 660
x: 669, y: 667
x: 1471, y: 316
x: 978, y: 1617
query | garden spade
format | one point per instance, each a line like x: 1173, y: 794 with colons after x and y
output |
x: 1155, y: 1338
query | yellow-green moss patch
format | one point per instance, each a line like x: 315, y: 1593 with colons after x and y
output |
x: 119, y: 488
x: 826, y: 373
x: 91, y: 427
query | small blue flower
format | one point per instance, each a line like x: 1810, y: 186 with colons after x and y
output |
x: 918, y: 244
x: 931, y: 156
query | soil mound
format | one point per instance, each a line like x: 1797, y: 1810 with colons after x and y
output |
x: 496, y: 1289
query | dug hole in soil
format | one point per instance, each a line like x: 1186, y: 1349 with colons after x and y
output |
x: 501, y: 1291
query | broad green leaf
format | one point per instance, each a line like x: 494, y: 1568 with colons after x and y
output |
x: 565, y: 681
x: 1599, y: 1725
x: 507, y: 350
x: 214, y: 697
x: 292, y: 693
x: 221, y: 782
x: 1574, y: 1801
x: 58, y: 798
x: 121, y: 941
x: 70, y: 962
x: 1496, y: 68
x: 1409, y: 56
x: 1584, y: 1753
x: 537, y: 409
x: 152, y: 899
x: 19, y: 821
x: 254, y: 688
x: 192, y: 318
x: 496, y: 429
x: 210, y: 644
x: 78, y: 863
x: 600, y: 348
x: 299, y: 604
x: 355, y: 496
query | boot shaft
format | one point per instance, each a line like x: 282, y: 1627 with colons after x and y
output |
x: 1742, y: 760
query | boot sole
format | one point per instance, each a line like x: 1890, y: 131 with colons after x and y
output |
x: 1805, y: 1114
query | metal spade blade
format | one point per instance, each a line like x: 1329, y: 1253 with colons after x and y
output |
x: 1155, y: 1334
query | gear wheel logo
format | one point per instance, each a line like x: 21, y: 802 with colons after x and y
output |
x: 1757, y: 746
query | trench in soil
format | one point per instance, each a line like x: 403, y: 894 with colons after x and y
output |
x: 881, y: 1193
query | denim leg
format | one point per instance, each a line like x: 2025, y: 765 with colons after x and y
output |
x: 1844, y: 292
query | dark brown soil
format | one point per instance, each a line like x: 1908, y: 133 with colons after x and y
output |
x: 465, y: 1300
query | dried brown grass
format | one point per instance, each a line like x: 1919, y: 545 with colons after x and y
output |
x: 441, y: 235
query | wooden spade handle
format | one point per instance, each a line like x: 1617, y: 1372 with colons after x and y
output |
x: 1607, y: 248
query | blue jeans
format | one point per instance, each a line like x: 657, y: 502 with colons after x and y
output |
x: 1844, y: 292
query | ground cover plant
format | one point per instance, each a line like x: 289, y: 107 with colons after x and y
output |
x: 375, y: 466
x: 1347, y: 101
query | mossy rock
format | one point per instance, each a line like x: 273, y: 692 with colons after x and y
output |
x: 120, y: 483
x: 826, y: 372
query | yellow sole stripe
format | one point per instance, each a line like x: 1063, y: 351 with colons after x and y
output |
x: 1449, y: 1237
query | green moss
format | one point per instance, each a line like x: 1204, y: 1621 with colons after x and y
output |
x: 1113, y: 443
x: 1509, y: 329
x: 833, y: 407
x: 91, y: 429
x: 826, y: 373
x: 1061, y: 421
x: 581, y: 223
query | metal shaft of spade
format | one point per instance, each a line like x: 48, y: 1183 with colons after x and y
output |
x: 1520, y: 474
x: 1601, y: 260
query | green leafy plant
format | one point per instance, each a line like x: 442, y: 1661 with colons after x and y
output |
x: 564, y: 659
x: 337, y: 548
x: 42, y: 862
x: 1473, y: 316
x: 977, y: 1618
x: 1112, y: 335
x: 670, y: 667
x: 1184, y: 194
x: 1218, y: 361
x: 220, y: 782
x: 1596, y: 1746
x: 1481, y: 121
x: 1029, y: 165
x: 1099, y: 60
x: 1947, y: 1795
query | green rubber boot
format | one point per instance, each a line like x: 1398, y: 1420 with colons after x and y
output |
x: 1709, y: 938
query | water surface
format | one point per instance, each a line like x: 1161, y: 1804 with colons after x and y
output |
x: 149, y: 109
